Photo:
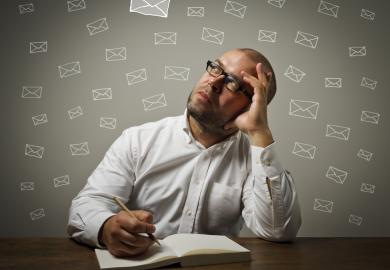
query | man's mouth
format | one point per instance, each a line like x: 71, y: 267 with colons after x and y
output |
x: 204, y: 97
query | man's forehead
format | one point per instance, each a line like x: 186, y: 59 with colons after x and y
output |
x: 235, y: 62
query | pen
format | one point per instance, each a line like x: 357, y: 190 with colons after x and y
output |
x: 124, y: 208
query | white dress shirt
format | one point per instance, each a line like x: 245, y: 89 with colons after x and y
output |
x: 159, y: 167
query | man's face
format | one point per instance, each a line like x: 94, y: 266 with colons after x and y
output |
x: 211, y: 103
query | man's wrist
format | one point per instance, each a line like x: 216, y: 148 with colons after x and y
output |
x: 261, y: 138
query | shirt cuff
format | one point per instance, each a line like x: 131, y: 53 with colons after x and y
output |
x: 94, y: 225
x: 266, y: 159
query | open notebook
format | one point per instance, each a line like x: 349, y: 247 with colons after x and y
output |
x: 186, y: 249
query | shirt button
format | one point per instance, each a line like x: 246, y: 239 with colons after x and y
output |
x: 189, y: 213
x: 267, y: 162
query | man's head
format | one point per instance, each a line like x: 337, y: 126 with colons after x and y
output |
x: 211, y: 102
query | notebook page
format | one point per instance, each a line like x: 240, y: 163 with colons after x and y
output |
x: 184, y: 244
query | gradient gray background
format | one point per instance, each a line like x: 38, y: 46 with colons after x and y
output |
x: 69, y: 40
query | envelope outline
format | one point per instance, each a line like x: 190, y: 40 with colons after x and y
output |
x: 304, y: 150
x: 39, y: 119
x: 26, y: 186
x: 370, y: 117
x: 157, y: 8
x: 333, y: 82
x: 364, y: 154
x: 26, y: 8
x: 79, y: 149
x: 213, y: 35
x: 235, y: 9
x: 38, y: 47
x: 323, y: 205
x: 338, y: 132
x: 294, y: 74
x: 337, y: 175
x: 367, y: 14
x: 69, y: 69
x: 102, y: 94
x: 306, y: 39
x: 116, y: 54
x: 277, y: 3
x: 195, y: 11
x: 266, y: 35
x: 328, y: 8
x: 37, y: 214
x: 154, y: 102
x: 369, y: 83
x: 75, y: 5
x: 368, y: 188
x: 97, y: 26
x: 357, y: 51
x: 61, y: 181
x: 136, y: 76
x: 32, y: 92
x: 355, y: 219
x: 108, y: 122
x: 165, y: 38
x: 75, y: 112
x: 35, y: 151
x: 176, y: 73
x: 304, y: 108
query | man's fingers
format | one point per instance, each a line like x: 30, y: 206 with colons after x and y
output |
x: 143, y: 215
x: 136, y: 226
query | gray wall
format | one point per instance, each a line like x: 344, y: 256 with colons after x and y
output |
x: 364, y: 191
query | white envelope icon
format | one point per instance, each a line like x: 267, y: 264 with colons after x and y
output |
x: 35, y: 151
x: 370, y: 117
x: 150, y: 7
x: 212, y: 35
x: 333, y: 82
x: 69, y: 69
x: 37, y: 214
x: 74, y: 5
x: 235, y: 9
x: 277, y: 3
x: 39, y: 119
x: 102, y: 94
x: 61, y: 181
x: 304, y: 150
x: 165, y: 38
x: 265, y: 35
x: 154, y: 102
x: 368, y: 188
x: 328, y: 8
x: 26, y: 8
x: 32, y: 92
x: 364, y: 154
x: 369, y: 83
x: 306, y: 39
x: 26, y: 186
x: 108, y: 122
x: 357, y: 51
x: 294, y: 74
x: 337, y: 175
x: 116, y: 54
x: 195, y: 11
x: 136, y: 76
x: 303, y: 108
x: 97, y: 26
x: 79, y: 149
x: 355, y: 219
x: 323, y: 205
x: 338, y: 132
x: 367, y: 14
x: 38, y: 47
x: 75, y: 112
x: 176, y: 73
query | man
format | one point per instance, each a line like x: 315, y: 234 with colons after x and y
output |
x: 204, y: 172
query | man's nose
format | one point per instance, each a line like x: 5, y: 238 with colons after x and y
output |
x: 216, y: 83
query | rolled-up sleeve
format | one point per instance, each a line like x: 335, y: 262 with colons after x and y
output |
x: 114, y: 176
x: 271, y: 208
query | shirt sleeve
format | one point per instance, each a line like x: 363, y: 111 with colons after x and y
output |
x: 271, y: 208
x: 114, y: 176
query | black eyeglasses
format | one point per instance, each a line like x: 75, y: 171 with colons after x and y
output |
x: 231, y: 83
